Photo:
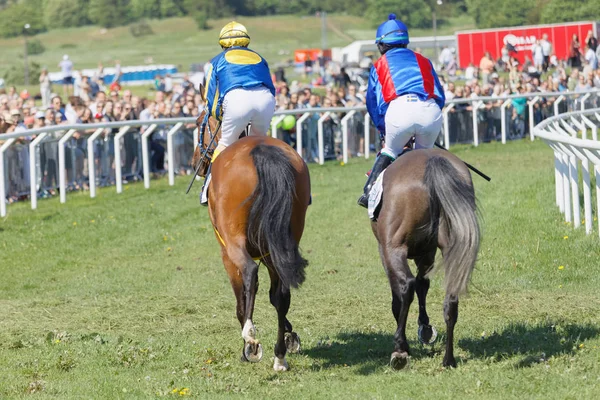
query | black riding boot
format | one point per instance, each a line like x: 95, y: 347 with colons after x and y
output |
x: 382, y: 162
x: 204, y: 187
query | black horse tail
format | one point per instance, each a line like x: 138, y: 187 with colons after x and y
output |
x: 453, y: 209
x: 269, y: 222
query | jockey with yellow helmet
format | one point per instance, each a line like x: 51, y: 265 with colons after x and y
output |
x: 404, y: 98
x: 239, y: 90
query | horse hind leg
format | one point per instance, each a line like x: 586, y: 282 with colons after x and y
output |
x: 427, y: 334
x: 249, y: 273
x: 402, y: 283
x: 280, y: 299
x: 450, y: 316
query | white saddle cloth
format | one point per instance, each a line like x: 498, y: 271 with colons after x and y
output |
x: 375, y: 196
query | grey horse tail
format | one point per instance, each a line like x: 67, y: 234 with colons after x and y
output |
x: 269, y: 223
x: 453, y: 210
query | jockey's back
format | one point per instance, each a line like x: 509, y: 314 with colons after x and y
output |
x: 401, y: 71
x: 235, y: 67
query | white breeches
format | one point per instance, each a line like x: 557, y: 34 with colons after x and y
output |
x: 241, y: 107
x: 407, y: 116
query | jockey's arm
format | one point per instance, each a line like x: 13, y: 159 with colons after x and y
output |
x: 212, y: 91
x: 374, y: 101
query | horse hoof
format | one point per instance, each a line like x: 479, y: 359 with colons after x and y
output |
x: 427, y: 334
x: 292, y: 342
x: 280, y: 364
x: 399, y: 360
x: 253, y: 352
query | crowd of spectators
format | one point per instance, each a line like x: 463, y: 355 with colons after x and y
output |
x: 541, y: 73
x: 90, y: 101
x: 95, y: 99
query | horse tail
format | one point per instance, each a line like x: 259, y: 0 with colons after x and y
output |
x: 269, y: 223
x: 453, y: 208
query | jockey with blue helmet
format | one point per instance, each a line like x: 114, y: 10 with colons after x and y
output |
x: 239, y: 91
x: 404, y: 98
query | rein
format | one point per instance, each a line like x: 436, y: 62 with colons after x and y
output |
x: 207, y: 151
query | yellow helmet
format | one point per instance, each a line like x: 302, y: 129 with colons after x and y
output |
x: 234, y: 34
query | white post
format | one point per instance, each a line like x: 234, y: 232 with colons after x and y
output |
x: 583, y: 99
x: 558, y: 181
x: 171, y: 152
x: 447, y: 125
x: 118, y: 174
x: 62, y: 172
x: 587, y: 191
x: 320, y: 137
x: 475, y: 125
x: 3, y: 148
x: 597, y: 169
x: 274, y: 124
x: 367, y: 135
x: 531, y: 122
x: 33, y: 170
x: 575, y: 191
x: 503, y: 119
x: 566, y: 187
x: 92, y: 161
x: 580, y: 126
x: 557, y: 102
x: 145, y: 154
x: 299, y: 132
x: 345, y: 121
x: 591, y: 125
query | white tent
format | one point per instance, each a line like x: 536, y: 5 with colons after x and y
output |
x: 355, y: 51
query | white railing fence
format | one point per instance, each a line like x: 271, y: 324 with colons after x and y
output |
x: 30, y: 161
x: 573, y: 137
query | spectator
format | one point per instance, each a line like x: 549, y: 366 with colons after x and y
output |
x: 45, y: 87
x: 538, y: 56
x: 591, y: 60
x: 99, y: 74
x: 66, y: 67
x: 168, y: 83
x: 308, y: 64
x: 486, y: 66
x: 118, y: 73
x: 546, y: 51
x: 470, y: 72
x: 591, y: 41
x: 58, y: 108
x: 343, y: 79
x: 449, y: 92
x: 574, y: 53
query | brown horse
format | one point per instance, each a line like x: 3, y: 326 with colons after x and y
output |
x: 428, y: 203
x: 259, y: 194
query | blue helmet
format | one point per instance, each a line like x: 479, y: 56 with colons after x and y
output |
x: 392, y: 31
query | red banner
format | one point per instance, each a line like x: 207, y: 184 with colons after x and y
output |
x: 473, y: 44
x: 302, y: 54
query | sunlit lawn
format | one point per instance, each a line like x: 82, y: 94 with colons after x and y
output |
x: 124, y: 296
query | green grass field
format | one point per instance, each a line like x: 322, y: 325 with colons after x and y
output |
x: 124, y: 296
x: 178, y: 41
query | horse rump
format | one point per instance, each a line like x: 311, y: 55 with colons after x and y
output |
x: 453, y: 211
x: 269, y: 223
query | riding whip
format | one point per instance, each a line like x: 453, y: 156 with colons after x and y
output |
x: 472, y: 168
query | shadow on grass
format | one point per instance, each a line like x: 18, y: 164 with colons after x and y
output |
x: 530, y: 344
x: 525, y: 344
x: 370, y: 351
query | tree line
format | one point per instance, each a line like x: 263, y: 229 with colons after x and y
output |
x: 42, y: 15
